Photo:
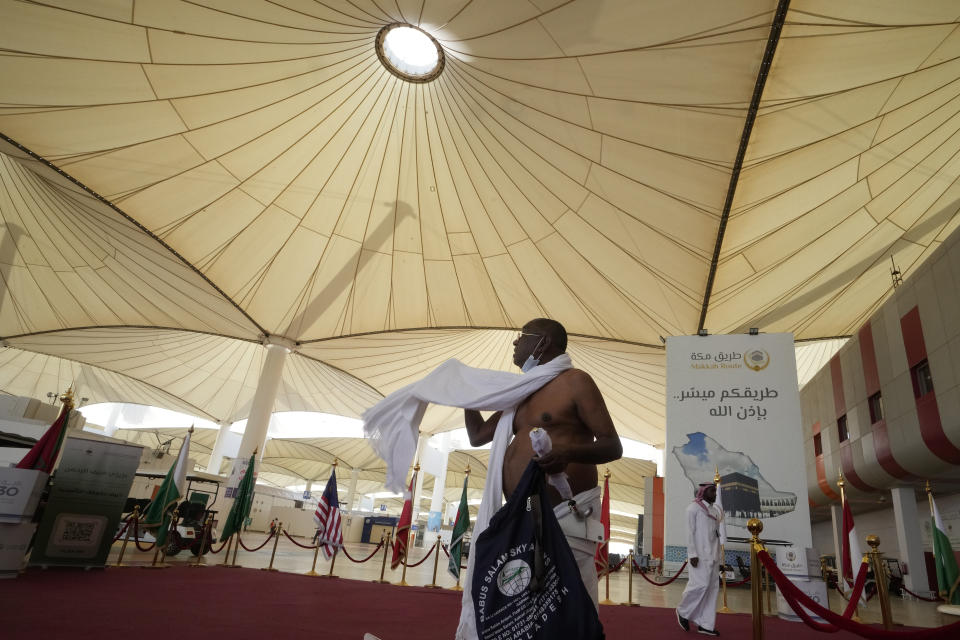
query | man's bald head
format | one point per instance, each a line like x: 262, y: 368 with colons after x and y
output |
x: 552, y: 330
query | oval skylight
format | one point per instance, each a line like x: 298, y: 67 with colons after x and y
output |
x: 409, y: 52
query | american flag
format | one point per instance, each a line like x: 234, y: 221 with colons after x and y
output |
x: 327, y: 517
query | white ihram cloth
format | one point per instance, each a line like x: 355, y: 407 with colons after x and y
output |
x: 392, y: 427
x: 699, y: 601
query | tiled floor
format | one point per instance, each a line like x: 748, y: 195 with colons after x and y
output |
x: 293, y: 559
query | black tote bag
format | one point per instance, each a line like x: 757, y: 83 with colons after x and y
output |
x: 526, y: 583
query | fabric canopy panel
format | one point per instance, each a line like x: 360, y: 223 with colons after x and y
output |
x: 227, y: 171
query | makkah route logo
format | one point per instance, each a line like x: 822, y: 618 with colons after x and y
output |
x: 756, y: 359
x: 514, y: 578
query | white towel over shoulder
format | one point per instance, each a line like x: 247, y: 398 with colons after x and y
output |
x: 393, y: 423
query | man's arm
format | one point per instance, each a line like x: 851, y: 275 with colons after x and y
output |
x: 593, y: 413
x: 480, y: 431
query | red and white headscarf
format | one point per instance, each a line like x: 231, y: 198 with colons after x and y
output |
x: 700, y: 501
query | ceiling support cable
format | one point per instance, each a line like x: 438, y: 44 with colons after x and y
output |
x: 778, y: 19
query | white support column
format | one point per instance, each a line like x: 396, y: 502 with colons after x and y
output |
x: 258, y: 422
x: 352, y: 493
x: 909, y: 542
x: 435, y: 519
x: 309, y: 489
x: 836, y: 517
x: 216, y: 455
x: 111, y: 427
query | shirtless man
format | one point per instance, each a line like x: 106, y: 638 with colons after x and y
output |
x: 572, y: 411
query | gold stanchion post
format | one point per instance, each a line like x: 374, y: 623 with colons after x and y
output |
x: 203, y: 542
x: 403, y: 561
x: 131, y: 524
x: 436, y: 559
x: 755, y: 526
x: 276, y: 541
x: 723, y: 554
x: 333, y: 560
x: 606, y: 573
x: 162, y: 552
x: 236, y: 548
x: 383, y: 565
x: 880, y: 576
x: 630, y: 602
x: 313, y: 567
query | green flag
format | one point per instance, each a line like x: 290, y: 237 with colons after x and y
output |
x: 943, y: 556
x: 460, y: 527
x: 171, y: 490
x: 242, y: 500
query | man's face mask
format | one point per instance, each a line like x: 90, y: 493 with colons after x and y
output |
x: 531, y: 362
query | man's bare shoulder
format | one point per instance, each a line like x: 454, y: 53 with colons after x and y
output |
x: 577, y: 377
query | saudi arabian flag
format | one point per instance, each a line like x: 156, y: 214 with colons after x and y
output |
x: 943, y: 556
x: 158, y: 511
x: 460, y: 527
x: 242, y: 500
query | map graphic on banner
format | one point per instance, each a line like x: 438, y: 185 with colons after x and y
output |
x: 733, y: 407
x: 746, y: 493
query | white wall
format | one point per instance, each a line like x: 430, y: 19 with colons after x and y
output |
x: 881, y: 523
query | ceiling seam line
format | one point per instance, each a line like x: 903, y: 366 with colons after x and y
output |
x: 136, y: 223
x: 775, y: 29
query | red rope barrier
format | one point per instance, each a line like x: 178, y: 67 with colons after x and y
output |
x: 798, y: 600
x: 123, y: 531
x: 661, y: 584
x: 222, y: 545
x: 919, y: 597
x: 420, y: 562
x: 444, y: 547
x: 619, y: 564
x: 352, y: 559
x: 302, y: 546
x: 136, y: 537
x: 739, y: 582
x: 269, y: 536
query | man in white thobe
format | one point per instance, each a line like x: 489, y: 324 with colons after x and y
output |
x: 699, y: 601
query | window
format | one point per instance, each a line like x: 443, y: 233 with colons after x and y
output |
x: 817, y: 445
x: 922, y: 380
x: 842, y: 428
x: 876, y: 407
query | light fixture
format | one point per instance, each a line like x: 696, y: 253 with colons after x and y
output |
x: 702, y: 333
x: 409, y: 52
x: 754, y: 331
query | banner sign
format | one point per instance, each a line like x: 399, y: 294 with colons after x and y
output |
x: 733, y: 403
x: 238, y: 469
x: 90, y: 489
x: 20, y: 491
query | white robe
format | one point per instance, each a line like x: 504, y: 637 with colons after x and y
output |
x: 699, y: 601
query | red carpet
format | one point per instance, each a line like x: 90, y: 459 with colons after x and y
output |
x: 181, y: 604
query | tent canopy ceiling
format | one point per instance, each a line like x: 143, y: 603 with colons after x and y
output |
x: 180, y: 179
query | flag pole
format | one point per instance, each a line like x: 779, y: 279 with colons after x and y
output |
x: 466, y: 482
x: 406, y: 535
x: 843, y: 502
x: 723, y: 554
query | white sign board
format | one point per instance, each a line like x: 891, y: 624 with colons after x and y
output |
x: 20, y: 491
x: 733, y: 403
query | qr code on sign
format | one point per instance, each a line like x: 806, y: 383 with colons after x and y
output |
x: 78, y: 532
